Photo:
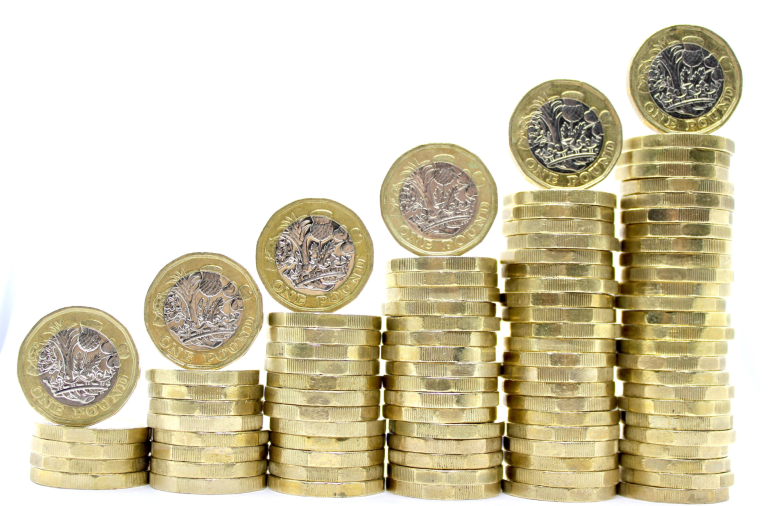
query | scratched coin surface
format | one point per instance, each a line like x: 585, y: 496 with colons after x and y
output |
x: 438, y: 199
x: 314, y: 255
x: 565, y: 134
x: 78, y: 366
x: 203, y: 311
x: 685, y: 79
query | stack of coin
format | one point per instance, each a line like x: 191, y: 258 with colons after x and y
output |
x: 677, y: 208
x: 89, y: 458
x: 441, y: 383
x: 323, y: 401
x: 207, y: 436
x: 559, y: 284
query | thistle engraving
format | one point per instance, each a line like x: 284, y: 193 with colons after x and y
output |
x: 438, y: 200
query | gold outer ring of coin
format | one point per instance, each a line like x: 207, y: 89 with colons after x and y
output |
x: 93, y: 435
x: 674, y: 407
x: 683, y: 393
x: 347, y: 337
x: 560, y: 285
x: 325, y: 320
x: 672, y: 495
x: 678, y: 199
x: 678, y: 481
x: 326, y: 459
x: 564, y: 241
x: 641, y: 94
x: 665, y: 303
x: 561, y: 196
x: 677, y: 215
x: 555, y: 494
x: 424, y: 308
x: 244, y: 299
x: 670, y: 363
x: 447, y: 430
x: 466, y: 170
x: 341, y: 226
x: 555, y: 404
x: 205, y: 423
x: 675, y: 289
x: 328, y: 429
x: 208, y: 454
x: 673, y: 378
x: 566, y: 330
x: 482, y: 339
x: 324, y: 489
x: 207, y: 486
x: 546, y: 314
x: 672, y: 170
x: 642, y: 186
x: 555, y: 271
x: 440, y: 279
x: 558, y: 389
x: 327, y: 444
x: 564, y: 449
x: 542, y: 433
x: 557, y: 211
x: 684, y: 318
x: 534, y: 344
x: 675, y: 259
x: 680, y: 437
x: 322, y: 367
x: 674, y: 245
x: 448, y: 263
x: 673, y: 154
x: 443, y: 294
x: 322, y: 351
x: 677, y: 274
x: 87, y: 481
x: 444, y: 461
x: 206, y: 392
x: 202, y: 378
x: 671, y: 348
x: 326, y: 474
x: 696, y: 230
x: 319, y: 382
x: 460, y: 323
x: 556, y: 256
x: 442, y: 492
x: 77, y: 325
x: 564, y: 419
x: 675, y: 422
x: 210, y: 439
x: 683, y: 140
x: 556, y: 359
x: 443, y: 446
x: 208, y: 471
x: 321, y: 413
x: 443, y: 369
x: 672, y: 452
x: 419, y: 384
x: 325, y: 398
x: 204, y: 408
x: 564, y: 479
x: 594, y: 108
x: 557, y: 226
x: 675, y: 466
x: 89, y: 450
x: 439, y: 415
x: 88, y: 466
x: 439, y: 400
x: 557, y: 374
x: 560, y: 464
x: 401, y: 353
x: 445, y: 477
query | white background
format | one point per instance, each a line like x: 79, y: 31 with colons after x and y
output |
x: 134, y: 132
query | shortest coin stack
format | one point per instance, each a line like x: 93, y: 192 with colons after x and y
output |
x: 207, y: 436
x: 89, y: 458
x: 322, y: 398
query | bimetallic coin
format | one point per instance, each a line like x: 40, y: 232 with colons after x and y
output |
x: 442, y: 492
x: 555, y: 359
x: 211, y: 439
x: 322, y: 397
x: 320, y: 382
x: 671, y: 363
x: 564, y: 479
x: 557, y: 211
x: 557, y: 271
x: 88, y: 466
x: 453, y: 263
x: 561, y: 285
x: 675, y: 466
x: 674, y: 422
x: 673, y: 348
x: 421, y: 308
x: 441, y: 279
x: 323, y: 489
x: 564, y: 241
x: 117, y: 432
x: 675, y: 155
x: 538, y: 432
x: 558, y: 389
x: 702, y: 230
x: 677, y: 215
x: 672, y: 170
x: 439, y: 415
x: 347, y: 337
x: 418, y: 384
x: 528, y: 299
x: 443, y: 446
x: 402, y: 353
x: 442, y: 399
x: 444, y: 369
x: 564, y: 419
x: 321, y: 413
x: 564, y: 449
x: 675, y: 259
x: 327, y: 444
x: 674, y: 407
x: 566, y: 330
x: 554, y: 404
x: 683, y: 140
x: 555, y: 256
x: 445, y: 477
x: 642, y: 186
x: 554, y: 494
x: 77, y: 366
x: 448, y: 462
x: 87, y: 481
x: 483, y: 339
x: 674, y: 245
x: 560, y: 464
x: 447, y: 322
x: 684, y: 318
x: 328, y: 429
x: 208, y: 454
x: 206, y: 392
x: 204, y: 408
x: 444, y: 293
x: 670, y: 303
x: 322, y: 351
x: 326, y: 474
x: 207, y: 486
x: 558, y: 374
x: 672, y: 378
x: 558, y: 314
x: 326, y: 459
x: 683, y: 393
x: 205, y: 423
x: 674, y: 333
x: 557, y: 226
x: 448, y: 431
x: 322, y: 367
x: 675, y: 289
x: 678, y: 274
x: 202, y: 378
x: 680, y: 437
x: 678, y: 481
x: 672, y: 452
x: 561, y: 196
x: 533, y: 344
x: 208, y: 471
x: 672, y: 495
x: 324, y: 320
x: 90, y: 451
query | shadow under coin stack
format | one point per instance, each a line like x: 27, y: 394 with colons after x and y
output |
x: 441, y: 383
x: 207, y: 436
x: 563, y: 426
x: 323, y: 401
x: 89, y: 458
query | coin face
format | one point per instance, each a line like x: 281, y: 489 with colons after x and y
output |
x: 685, y: 79
x: 203, y: 311
x: 78, y: 366
x: 438, y: 199
x: 314, y: 255
x: 565, y: 134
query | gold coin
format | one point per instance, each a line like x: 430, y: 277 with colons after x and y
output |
x: 677, y: 481
x: 689, y: 260
x: 223, y: 439
x: 206, y: 392
x: 680, y: 437
x: 444, y: 369
x: 702, y: 230
x: 328, y: 429
x: 556, y: 256
x: 322, y: 367
x: 671, y: 363
x: 448, y: 462
x: 440, y: 338
x: 87, y: 481
x: 324, y: 320
x: 672, y: 378
x: 587, y: 300
x: 440, y: 279
x: 685, y: 318
x: 677, y: 274
x: 207, y: 486
x: 440, y: 415
x: 557, y: 211
x: 678, y: 199
x: 77, y: 366
x: 677, y: 215
x: 442, y: 399
x: 672, y: 154
x: 211, y: 471
x: 675, y: 466
x: 450, y: 431
x: 422, y: 308
x: 324, y: 489
x: 88, y: 466
x: 560, y: 464
x: 347, y: 337
x: 443, y: 446
x: 326, y: 459
x: 208, y: 454
x: 205, y: 423
x: 672, y: 170
x: 554, y: 359
x: 444, y: 293
x: 564, y: 419
x: 557, y: 271
x: 558, y: 374
x: 204, y: 408
x: 564, y: 241
x: 566, y: 330
x: 322, y: 351
x: 202, y: 378
x: 402, y: 353
x: 442, y: 492
x: 683, y: 140
x: 323, y: 397
x: 319, y: 382
x: 561, y: 196
x: 675, y: 289
x: 445, y: 477
x: 560, y: 285
x: 683, y: 393
x: 545, y: 314
x: 533, y: 344
x: 460, y: 323
x: 675, y: 185
x: 673, y: 348
x: 554, y: 404
x: 105, y: 433
x: 674, y: 422
x: 564, y: 449
x: 201, y: 280
x: 674, y: 407
x: 672, y: 495
x: 538, y: 432
x: 438, y: 199
x: 89, y: 450
x: 327, y: 444
x: 321, y: 413
x: 666, y: 303
x: 557, y: 226
x: 672, y: 452
x: 452, y: 263
x: 326, y: 474
x: 558, y: 389
x: 675, y: 245
x: 540, y: 493
x: 564, y: 479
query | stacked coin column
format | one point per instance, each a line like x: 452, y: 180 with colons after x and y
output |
x: 677, y: 208
x: 441, y: 386
x: 323, y: 399
x: 206, y: 436
x: 89, y: 458
x: 563, y: 426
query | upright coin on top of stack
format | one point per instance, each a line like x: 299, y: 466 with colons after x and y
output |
x: 322, y: 398
x: 563, y: 426
x: 441, y: 383
x: 207, y: 436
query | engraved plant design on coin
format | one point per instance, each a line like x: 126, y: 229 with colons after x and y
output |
x: 685, y: 80
x: 314, y: 254
x: 203, y: 309
x: 438, y: 200
x: 565, y: 135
